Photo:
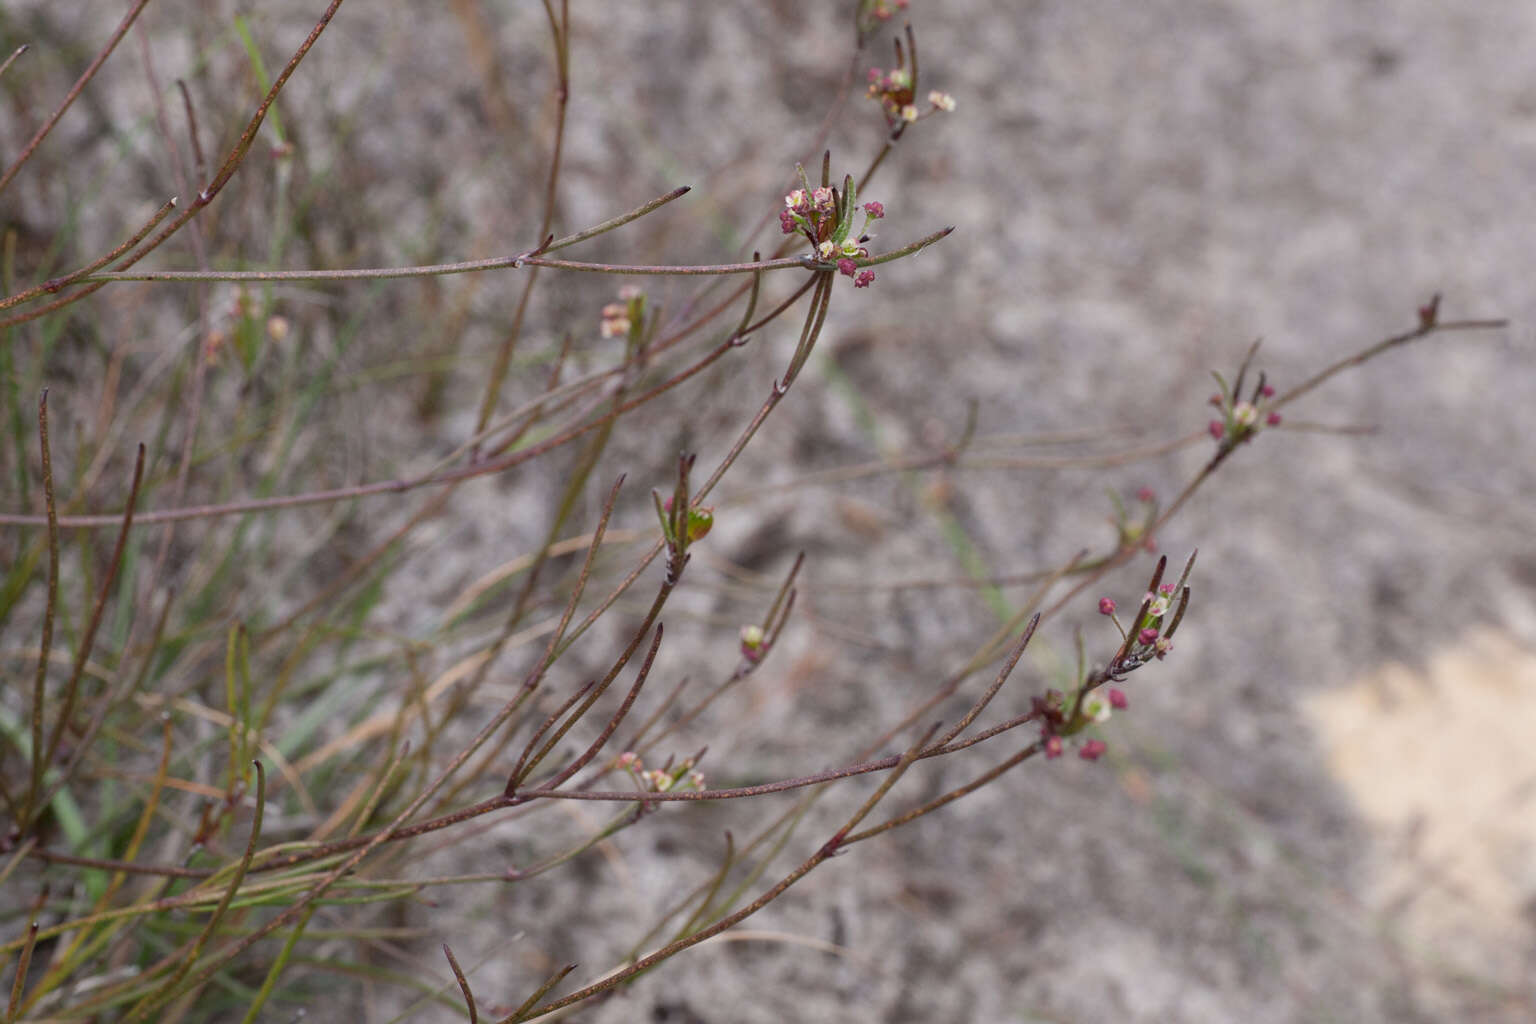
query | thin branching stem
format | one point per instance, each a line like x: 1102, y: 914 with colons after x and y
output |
x: 88, y: 639
x: 74, y: 92
x: 823, y: 853
x: 30, y: 808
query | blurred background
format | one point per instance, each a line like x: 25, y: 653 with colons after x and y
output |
x: 1321, y: 807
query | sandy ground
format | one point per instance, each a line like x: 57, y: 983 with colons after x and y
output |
x: 1320, y: 809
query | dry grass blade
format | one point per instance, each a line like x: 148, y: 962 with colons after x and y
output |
x: 170, y: 989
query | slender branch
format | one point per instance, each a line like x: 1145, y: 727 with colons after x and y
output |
x: 88, y: 639
x: 30, y: 806
x: 12, y: 58
x: 74, y: 92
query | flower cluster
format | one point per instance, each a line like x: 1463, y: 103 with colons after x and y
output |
x: 1240, y: 418
x: 1150, y: 637
x: 825, y: 217
x: 897, y: 94
x: 1149, y: 641
x: 883, y: 10
x: 664, y: 779
x: 896, y: 90
x: 623, y: 318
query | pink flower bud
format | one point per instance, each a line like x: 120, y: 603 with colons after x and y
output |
x: 847, y: 267
x: 1106, y: 606
x: 1093, y: 750
x: 1053, y: 748
x: 1147, y: 636
x: 1217, y: 429
x: 1273, y: 419
x: 1117, y: 699
x: 1146, y: 494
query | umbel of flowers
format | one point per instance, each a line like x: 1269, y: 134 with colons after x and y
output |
x: 896, y: 90
x: 825, y: 217
x: 1149, y: 637
x: 1241, y: 418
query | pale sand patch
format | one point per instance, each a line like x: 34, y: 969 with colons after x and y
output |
x: 1442, y: 764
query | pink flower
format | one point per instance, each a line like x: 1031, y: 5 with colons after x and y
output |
x: 865, y: 278
x: 847, y: 267
x: 1093, y: 750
